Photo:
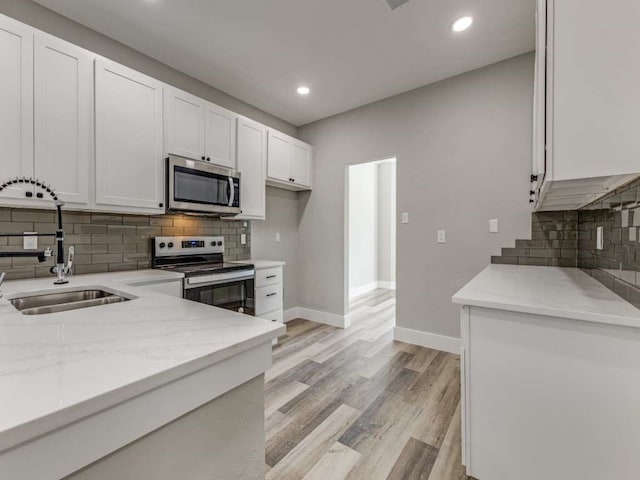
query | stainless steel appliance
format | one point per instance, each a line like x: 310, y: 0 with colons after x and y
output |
x: 208, y: 278
x: 194, y: 186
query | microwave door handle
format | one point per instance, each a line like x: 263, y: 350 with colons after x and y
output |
x: 233, y: 192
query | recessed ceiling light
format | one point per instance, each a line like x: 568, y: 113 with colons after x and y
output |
x: 462, y: 24
x: 304, y: 90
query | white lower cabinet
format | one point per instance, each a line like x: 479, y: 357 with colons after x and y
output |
x: 548, y: 397
x: 129, y: 166
x: 269, y: 293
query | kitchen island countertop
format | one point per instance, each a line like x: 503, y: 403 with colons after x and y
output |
x: 56, y: 369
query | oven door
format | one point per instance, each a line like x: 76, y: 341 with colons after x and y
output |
x: 237, y: 295
x: 199, y: 187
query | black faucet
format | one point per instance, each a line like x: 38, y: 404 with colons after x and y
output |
x: 60, y: 269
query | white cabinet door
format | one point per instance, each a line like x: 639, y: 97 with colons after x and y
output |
x: 63, y: 83
x: 300, y: 163
x: 129, y: 164
x: 185, y: 124
x: 16, y: 105
x: 220, y: 136
x: 596, y: 93
x: 252, y: 148
x: 279, y: 150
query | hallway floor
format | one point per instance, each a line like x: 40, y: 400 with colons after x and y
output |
x: 354, y: 404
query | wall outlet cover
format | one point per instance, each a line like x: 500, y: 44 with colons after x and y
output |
x: 243, y: 239
x: 405, y: 217
x: 442, y: 236
x: 277, y: 236
x: 30, y: 243
x: 493, y: 225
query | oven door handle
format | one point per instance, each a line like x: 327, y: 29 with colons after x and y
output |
x: 232, y: 189
x: 218, y: 278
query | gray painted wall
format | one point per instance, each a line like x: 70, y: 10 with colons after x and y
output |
x: 282, y: 217
x: 464, y: 156
x: 48, y: 21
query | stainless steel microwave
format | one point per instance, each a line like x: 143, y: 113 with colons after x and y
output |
x: 194, y: 186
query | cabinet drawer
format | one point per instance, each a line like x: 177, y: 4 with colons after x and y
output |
x: 268, y: 299
x: 277, y: 316
x: 268, y: 276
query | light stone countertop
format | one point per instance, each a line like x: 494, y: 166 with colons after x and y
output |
x: 58, y: 368
x: 260, y: 264
x: 550, y: 291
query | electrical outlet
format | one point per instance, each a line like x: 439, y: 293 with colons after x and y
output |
x: 493, y: 225
x: 30, y: 243
x: 442, y: 236
x: 277, y: 236
x: 243, y: 239
x: 405, y: 217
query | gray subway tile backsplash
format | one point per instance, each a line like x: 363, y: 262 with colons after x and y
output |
x: 109, y: 242
x: 568, y: 239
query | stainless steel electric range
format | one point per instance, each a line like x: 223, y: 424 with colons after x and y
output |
x: 208, y: 278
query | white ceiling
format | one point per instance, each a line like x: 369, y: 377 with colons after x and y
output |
x: 350, y: 52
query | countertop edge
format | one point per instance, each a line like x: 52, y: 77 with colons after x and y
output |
x: 25, y: 432
x: 464, y: 298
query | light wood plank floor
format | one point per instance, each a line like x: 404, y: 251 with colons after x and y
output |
x: 354, y: 404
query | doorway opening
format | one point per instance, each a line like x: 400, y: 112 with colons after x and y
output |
x: 371, y: 236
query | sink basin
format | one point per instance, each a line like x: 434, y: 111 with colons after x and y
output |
x: 39, y: 304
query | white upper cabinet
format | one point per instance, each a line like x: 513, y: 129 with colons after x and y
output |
x: 252, y: 160
x: 63, y: 118
x: 300, y: 166
x: 289, y: 162
x: 129, y: 164
x: 199, y: 129
x: 279, y: 156
x: 220, y: 135
x: 16, y: 106
x: 591, y: 92
x: 184, y: 124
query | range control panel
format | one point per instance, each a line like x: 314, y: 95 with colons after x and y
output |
x: 172, y: 246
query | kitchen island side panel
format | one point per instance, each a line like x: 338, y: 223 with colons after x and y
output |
x: 224, y: 438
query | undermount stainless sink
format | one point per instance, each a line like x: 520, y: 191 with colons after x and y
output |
x: 39, y: 304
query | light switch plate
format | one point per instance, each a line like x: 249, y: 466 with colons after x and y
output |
x: 405, y: 217
x: 493, y: 225
x: 30, y: 243
x: 442, y: 236
x: 599, y: 238
x: 243, y: 239
x: 277, y: 236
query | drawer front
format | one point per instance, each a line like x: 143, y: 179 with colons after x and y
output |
x: 268, y: 299
x: 277, y: 316
x: 268, y: 276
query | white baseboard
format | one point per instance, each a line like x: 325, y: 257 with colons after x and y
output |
x: 340, y: 321
x: 290, y: 314
x: 428, y: 340
x: 369, y: 287
x: 362, y: 289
